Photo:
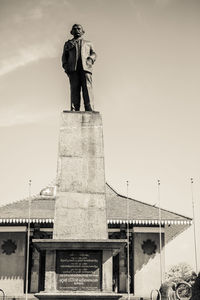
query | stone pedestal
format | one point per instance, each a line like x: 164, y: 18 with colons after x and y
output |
x: 80, y: 211
x: 79, y: 257
x: 78, y: 268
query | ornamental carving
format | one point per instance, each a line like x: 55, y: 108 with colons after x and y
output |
x: 8, y: 247
x: 149, y: 247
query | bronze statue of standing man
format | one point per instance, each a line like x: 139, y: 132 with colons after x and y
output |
x: 77, y: 60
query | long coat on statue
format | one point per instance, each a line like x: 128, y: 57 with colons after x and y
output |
x: 70, y: 56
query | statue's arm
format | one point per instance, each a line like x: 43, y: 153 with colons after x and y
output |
x: 64, y: 57
x: 93, y: 54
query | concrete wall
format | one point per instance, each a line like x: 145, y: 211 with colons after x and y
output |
x: 12, y: 267
x: 146, y: 267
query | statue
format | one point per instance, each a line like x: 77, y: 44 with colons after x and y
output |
x: 77, y: 60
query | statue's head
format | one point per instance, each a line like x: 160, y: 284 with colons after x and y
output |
x: 77, y: 30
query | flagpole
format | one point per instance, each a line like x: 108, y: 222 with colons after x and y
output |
x: 28, y: 240
x: 194, y: 225
x: 128, y: 253
x: 160, y: 233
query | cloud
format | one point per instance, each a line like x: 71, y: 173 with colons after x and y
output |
x: 13, y: 118
x: 27, y: 55
x: 30, y: 31
x: 34, y: 14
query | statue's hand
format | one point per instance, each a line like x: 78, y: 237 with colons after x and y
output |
x: 89, y: 61
x: 69, y: 45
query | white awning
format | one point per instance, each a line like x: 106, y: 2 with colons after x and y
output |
x: 114, y: 221
x: 151, y: 222
x: 11, y: 220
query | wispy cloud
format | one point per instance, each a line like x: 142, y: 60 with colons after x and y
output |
x: 30, y: 32
x: 27, y: 55
x: 12, y: 118
x: 34, y: 14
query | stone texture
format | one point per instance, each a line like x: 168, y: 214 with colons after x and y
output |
x: 70, y: 175
x: 107, y: 271
x: 50, y: 274
x: 80, y: 210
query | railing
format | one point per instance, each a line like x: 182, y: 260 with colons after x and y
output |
x: 158, y: 294
x: 183, y: 291
x: 172, y: 295
x: 3, y: 294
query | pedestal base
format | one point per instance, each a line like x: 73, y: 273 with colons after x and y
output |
x: 79, y: 269
x: 78, y: 295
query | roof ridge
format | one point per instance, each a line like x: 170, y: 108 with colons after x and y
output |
x: 122, y: 196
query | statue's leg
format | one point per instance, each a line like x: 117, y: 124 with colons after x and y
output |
x: 75, y: 87
x: 86, y: 83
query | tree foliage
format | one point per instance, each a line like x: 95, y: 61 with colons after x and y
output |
x: 181, y: 271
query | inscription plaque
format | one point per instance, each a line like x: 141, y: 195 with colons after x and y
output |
x: 78, y: 270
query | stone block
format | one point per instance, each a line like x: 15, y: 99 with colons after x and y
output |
x: 80, y: 216
x: 83, y: 175
x: 80, y: 209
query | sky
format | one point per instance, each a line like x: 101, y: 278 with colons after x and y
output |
x: 146, y: 87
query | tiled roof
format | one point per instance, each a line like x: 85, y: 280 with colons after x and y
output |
x: 121, y: 208
x: 42, y: 210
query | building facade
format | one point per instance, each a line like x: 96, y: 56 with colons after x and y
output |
x: 148, y: 234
